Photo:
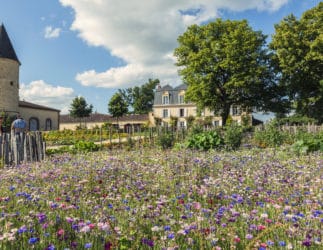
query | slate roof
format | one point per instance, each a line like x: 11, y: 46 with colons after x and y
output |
x: 97, y: 117
x: 6, y: 48
x: 173, y: 94
x: 35, y: 106
x: 182, y: 87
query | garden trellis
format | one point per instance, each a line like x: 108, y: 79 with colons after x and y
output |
x: 23, y: 147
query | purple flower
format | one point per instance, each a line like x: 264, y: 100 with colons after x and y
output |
x: 306, y: 242
x: 167, y: 228
x: 148, y: 242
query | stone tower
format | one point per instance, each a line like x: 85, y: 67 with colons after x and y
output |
x: 9, y: 74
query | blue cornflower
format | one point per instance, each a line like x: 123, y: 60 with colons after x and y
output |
x: 171, y: 236
x: 22, y: 229
x: 33, y: 240
x: 282, y: 243
x: 167, y: 228
x: 88, y: 245
x: 11, y: 188
x: 50, y: 247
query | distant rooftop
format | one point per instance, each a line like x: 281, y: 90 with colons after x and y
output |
x: 97, y: 117
x: 35, y: 106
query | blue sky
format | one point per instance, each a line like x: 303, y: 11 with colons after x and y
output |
x: 90, y: 48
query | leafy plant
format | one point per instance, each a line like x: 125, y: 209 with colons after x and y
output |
x: 205, y: 140
x: 232, y: 137
x: 165, y: 140
x: 303, y: 147
x: 271, y: 136
x: 85, y: 146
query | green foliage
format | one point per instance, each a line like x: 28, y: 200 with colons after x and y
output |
x: 78, y: 147
x: 233, y: 137
x: 205, y: 140
x: 165, y: 140
x: 85, y: 146
x: 130, y: 143
x: 117, y: 105
x: 225, y: 63
x: 271, y: 136
x: 140, y: 99
x: 79, y: 108
x: 6, y: 121
x: 296, y: 120
x: 297, y: 45
x: 173, y: 121
x: 307, y: 142
x: 190, y: 120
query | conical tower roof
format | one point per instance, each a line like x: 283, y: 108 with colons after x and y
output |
x: 6, y: 48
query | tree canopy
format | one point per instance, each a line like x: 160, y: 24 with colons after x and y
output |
x: 225, y: 63
x: 140, y: 99
x: 79, y: 108
x: 298, y: 49
x: 117, y: 106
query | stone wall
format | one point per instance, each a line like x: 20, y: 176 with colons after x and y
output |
x: 41, y: 115
x: 9, y: 85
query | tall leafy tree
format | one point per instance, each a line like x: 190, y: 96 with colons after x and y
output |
x: 140, y: 99
x: 298, y: 48
x: 225, y: 63
x: 117, y: 106
x: 79, y: 108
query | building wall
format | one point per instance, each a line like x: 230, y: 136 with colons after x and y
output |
x: 74, y: 125
x: 9, y: 85
x: 91, y: 125
x: 174, y: 110
x: 41, y: 116
x: 174, y: 106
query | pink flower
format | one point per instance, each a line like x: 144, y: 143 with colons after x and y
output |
x: 237, y: 239
x: 197, y: 205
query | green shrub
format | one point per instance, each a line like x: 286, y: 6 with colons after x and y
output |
x: 233, y: 137
x: 205, y: 140
x: 165, y: 140
x: 308, y: 142
x: 271, y: 136
x: 85, y: 146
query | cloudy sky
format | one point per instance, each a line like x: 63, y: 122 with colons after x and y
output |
x: 91, y: 48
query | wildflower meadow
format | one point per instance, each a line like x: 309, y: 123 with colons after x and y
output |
x: 173, y: 199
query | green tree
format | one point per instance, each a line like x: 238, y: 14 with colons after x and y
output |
x: 298, y: 48
x: 225, y: 63
x: 140, y: 99
x: 117, y: 106
x: 80, y: 109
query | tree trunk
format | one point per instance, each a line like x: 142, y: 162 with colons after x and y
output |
x: 225, y: 114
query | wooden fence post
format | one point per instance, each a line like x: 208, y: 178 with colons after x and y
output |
x: 21, y: 148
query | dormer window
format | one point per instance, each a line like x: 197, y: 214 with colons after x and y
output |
x: 166, y: 99
x: 181, y: 99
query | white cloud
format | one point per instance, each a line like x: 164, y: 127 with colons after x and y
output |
x: 143, y: 33
x: 51, y: 32
x: 42, y: 93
